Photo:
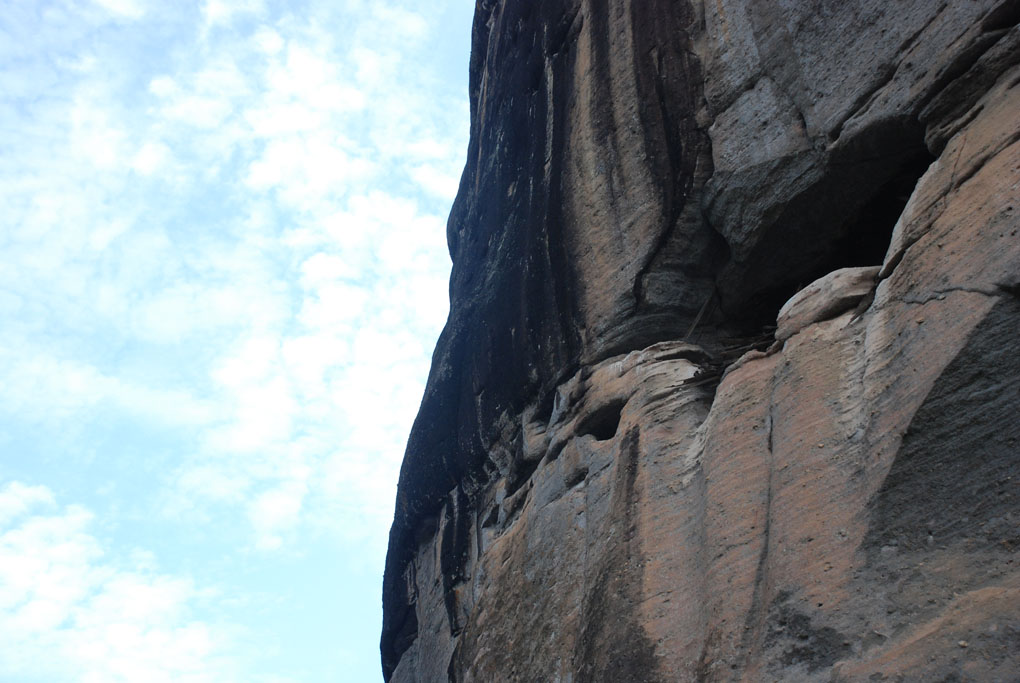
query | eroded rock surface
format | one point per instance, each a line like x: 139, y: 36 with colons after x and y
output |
x: 623, y: 470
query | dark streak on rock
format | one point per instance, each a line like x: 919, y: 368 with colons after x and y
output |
x: 613, y: 646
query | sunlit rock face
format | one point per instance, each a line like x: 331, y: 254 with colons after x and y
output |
x: 729, y: 388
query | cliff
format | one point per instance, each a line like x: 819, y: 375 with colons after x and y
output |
x: 728, y: 388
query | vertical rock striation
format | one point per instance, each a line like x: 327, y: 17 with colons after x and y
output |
x: 622, y: 470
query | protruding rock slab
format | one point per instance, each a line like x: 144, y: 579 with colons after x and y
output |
x: 839, y: 291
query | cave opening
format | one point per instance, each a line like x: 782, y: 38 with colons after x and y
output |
x: 604, y: 422
x: 860, y: 239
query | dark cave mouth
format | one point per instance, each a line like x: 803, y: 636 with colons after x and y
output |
x: 861, y: 239
x: 604, y: 422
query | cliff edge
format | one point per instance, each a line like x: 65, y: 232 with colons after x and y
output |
x: 728, y: 389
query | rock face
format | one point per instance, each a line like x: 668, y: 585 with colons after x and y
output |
x: 622, y: 470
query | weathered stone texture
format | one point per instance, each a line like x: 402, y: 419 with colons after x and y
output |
x: 643, y: 454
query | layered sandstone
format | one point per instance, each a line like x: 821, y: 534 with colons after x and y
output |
x: 728, y: 388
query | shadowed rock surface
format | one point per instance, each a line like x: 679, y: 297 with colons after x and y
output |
x: 622, y: 470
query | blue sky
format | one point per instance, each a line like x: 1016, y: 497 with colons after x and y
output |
x: 223, y: 272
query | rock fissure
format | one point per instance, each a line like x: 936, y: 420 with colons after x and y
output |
x: 940, y: 294
x: 974, y: 168
x: 757, y: 614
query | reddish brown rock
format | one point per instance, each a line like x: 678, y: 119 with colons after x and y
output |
x: 621, y: 470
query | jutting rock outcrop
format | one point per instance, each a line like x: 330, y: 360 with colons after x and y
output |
x: 729, y: 389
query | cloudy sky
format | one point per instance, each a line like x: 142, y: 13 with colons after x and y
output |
x: 222, y: 227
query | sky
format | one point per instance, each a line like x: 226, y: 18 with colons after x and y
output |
x: 223, y: 270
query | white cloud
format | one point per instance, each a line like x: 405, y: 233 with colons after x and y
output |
x: 373, y: 67
x: 226, y: 246
x: 436, y: 180
x: 129, y: 9
x: 151, y: 157
x: 163, y: 86
x: 223, y: 12
x: 67, y: 611
x: 41, y: 387
x: 277, y: 510
x: 269, y: 41
x: 207, y: 481
x: 322, y: 268
x: 97, y: 138
x: 402, y: 22
x: 18, y: 498
x: 207, y: 111
x: 308, y: 172
x: 335, y: 306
